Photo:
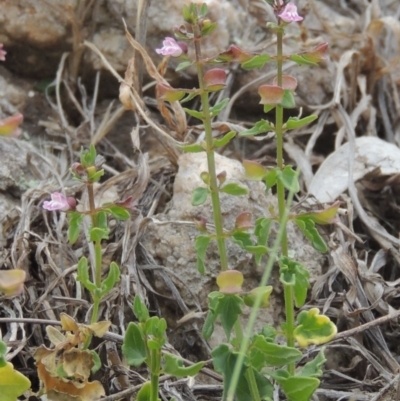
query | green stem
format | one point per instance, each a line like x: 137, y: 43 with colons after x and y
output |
x: 155, y: 363
x: 96, y: 271
x: 216, y: 205
x: 288, y: 290
x: 251, y: 380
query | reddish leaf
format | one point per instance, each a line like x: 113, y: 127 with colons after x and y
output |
x: 288, y: 82
x: 243, y: 221
x: 270, y: 94
x: 235, y: 53
x: 215, y: 79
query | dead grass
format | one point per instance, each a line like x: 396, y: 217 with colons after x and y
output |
x: 359, y: 288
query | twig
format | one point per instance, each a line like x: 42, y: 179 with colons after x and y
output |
x: 366, y: 326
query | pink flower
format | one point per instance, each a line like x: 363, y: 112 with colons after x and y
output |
x: 59, y: 202
x: 2, y: 53
x: 170, y: 48
x: 289, y: 14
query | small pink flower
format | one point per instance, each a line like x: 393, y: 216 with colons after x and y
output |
x: 170, y: 48
x: 289, y: 14
x: 2, y: 53
x: 59, y: 202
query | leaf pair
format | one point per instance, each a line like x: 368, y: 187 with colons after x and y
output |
x: 106, y: 285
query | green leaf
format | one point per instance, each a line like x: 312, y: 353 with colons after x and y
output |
x: 167, y: 93
x: 325, y: 216
x: 96, y: 362
x: 199, y: 196
x: 203, y: 10
x: 224, y: 360
x: 201, y: 245
x: 228, y: 307
x: 218, y: 143
x: 269, y: 333
x: 144, y: 393
x: 288, y: 101
x: 313, y: 328
x: 263, y: 292
x: 193, y: 148
x: 295, y: 122
x: 264, y: 353
x: 134, y: 347
x: 12, y: 383
x: 271, y: 178
x: 260, y: 128
x: 256, y: 62
x: 156, y: 327
x: 88, y: 157
x: 243, y: 239
x: 83, y: 275
x: 208, y: 327
x: 75, y: 221
x: 257, y: 250
x: 313, y: 368
x: 188, y: 13
x: 190, y: 96
x: 140, y: 309
x: 183, y: 65
x: 154, y: 344
x: 299, y: 388
x: 289, y: 179
x: 234, y: 189
x: 95, y: 176
x: 112, y: 278
x: 261, y: 231
x: 197, y: 114
x: 268, y: 107
x: 174, y: 366
x: 290, y: 271
x: 102, y: 220
x: 216, y: 109
x: 3, y: 352
x: 97, y: 234
x: 208, y: 29
x: 307, y: 226
x: 120, y: 213
x: 300, y: 60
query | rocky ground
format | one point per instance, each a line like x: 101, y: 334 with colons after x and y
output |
x: 64, y: 65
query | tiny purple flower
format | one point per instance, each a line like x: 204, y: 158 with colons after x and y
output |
x: 59, y: 202
x: 170, y: 48
x: 2, y: 53
x: 289, y: 14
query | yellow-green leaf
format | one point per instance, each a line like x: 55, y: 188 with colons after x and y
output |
x: 313, y: 328
x: 12, y: 383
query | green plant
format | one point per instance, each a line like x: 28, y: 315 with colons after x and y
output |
x: 144, y: 342
x: 76, y: 343
x: 249, y: 362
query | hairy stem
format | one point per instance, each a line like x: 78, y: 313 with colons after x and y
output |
x: 251, y: 380
x: 96, y: 270
x: 216, y: 205
x: 155, y: 357
x: 288, y: 290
